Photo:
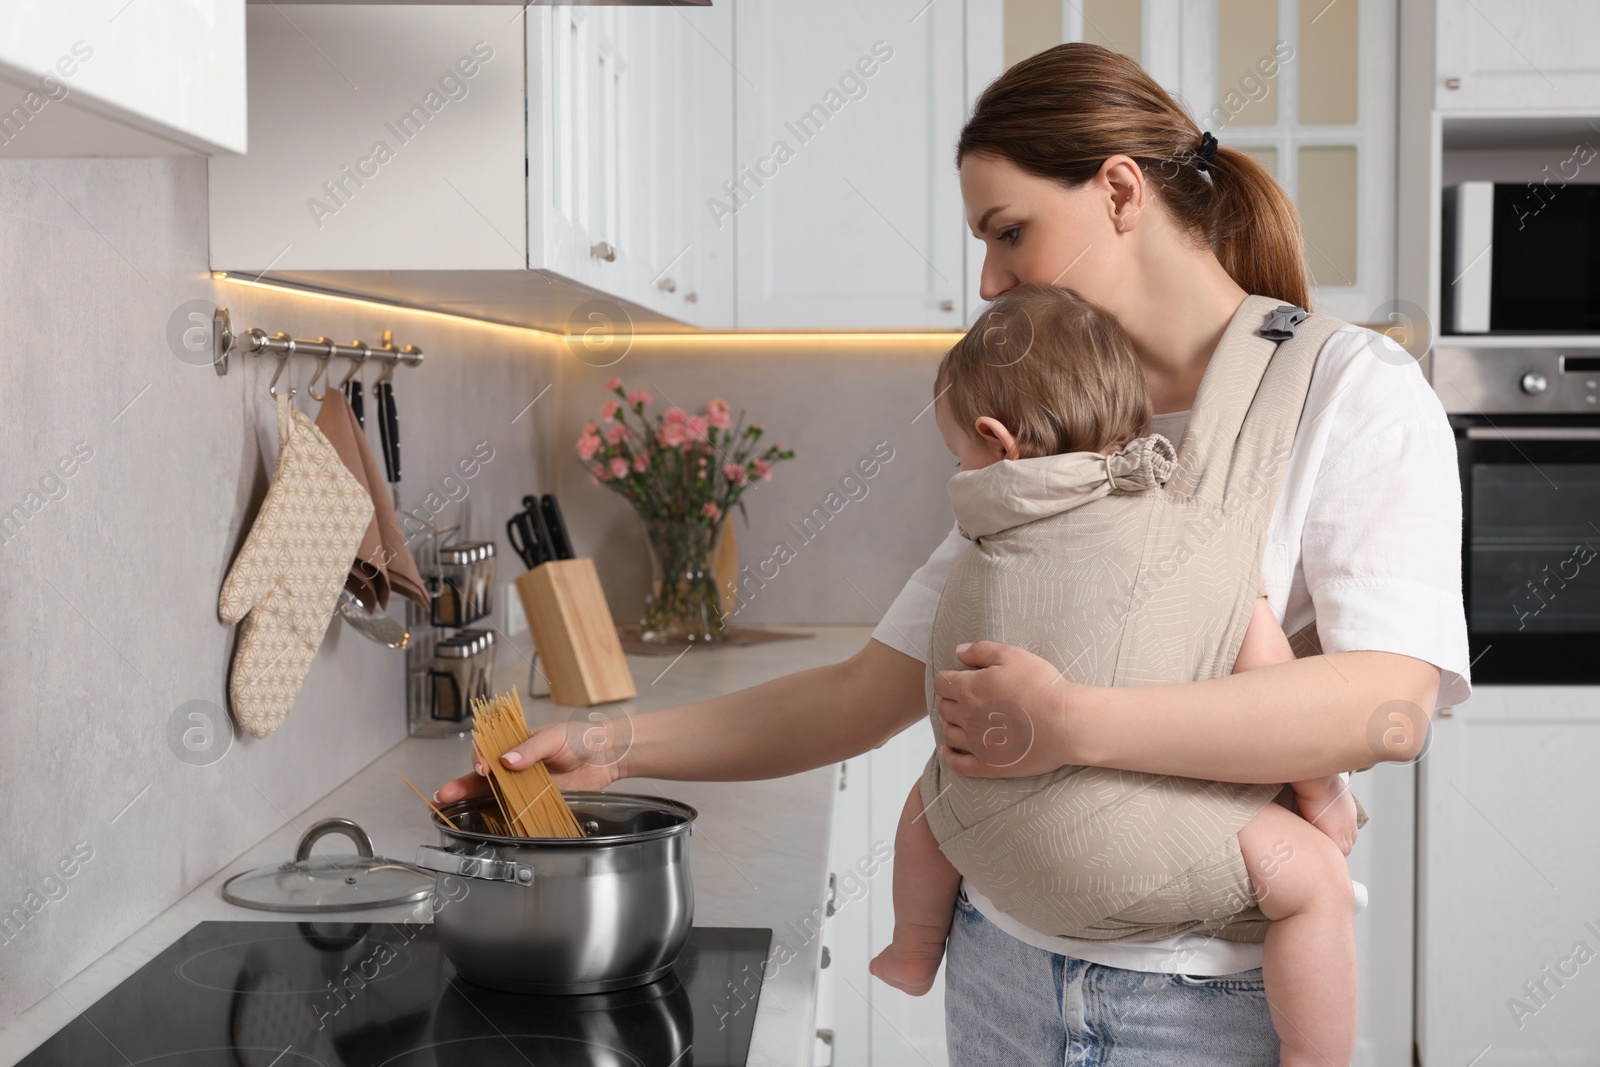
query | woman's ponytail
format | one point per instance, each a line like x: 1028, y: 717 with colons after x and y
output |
x: 1061, y: 113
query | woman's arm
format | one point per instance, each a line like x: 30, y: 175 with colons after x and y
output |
x: 1282, y: 723
x: 784, y: 726
x: 781, y: 727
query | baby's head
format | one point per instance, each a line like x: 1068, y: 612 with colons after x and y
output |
x: 1043, y: 371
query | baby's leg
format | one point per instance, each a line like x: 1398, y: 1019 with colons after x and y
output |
x: 925, y: 888
x: 1309, y: 965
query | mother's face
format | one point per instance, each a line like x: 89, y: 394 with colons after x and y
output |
x: 1035, y: 230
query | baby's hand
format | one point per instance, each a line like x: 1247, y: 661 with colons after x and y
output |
x: 1328, y: 804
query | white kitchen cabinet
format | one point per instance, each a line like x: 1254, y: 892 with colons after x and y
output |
x: 844, y: 1016
x: 1509, y: 881
x: 484, y: 160
x: 1516, y: 54
x: 845, y: 196
x: 871, y: 1023
x: 110, y: 78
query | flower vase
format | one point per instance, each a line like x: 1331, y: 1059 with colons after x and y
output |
x: 683, y: 604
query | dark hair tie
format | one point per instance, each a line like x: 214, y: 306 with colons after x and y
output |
x: 1208, y: 150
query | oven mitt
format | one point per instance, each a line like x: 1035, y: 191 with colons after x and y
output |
x: 285, y: 583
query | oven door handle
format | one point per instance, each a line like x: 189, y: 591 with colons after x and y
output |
x: 1535, y: 433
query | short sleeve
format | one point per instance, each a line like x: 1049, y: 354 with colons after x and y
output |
x: 908, y: 624
x: 1381, y: 548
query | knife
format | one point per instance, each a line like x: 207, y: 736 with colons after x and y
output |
x: 560, y: 542
x: 352, y: 392
x: 546, y: 547
x: 388, y: 429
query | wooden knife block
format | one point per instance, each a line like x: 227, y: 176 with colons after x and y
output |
x: 574, y: 633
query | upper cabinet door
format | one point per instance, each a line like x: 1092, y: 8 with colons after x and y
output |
x: 1509, y: 54
x: 110, y: 78
x: 381, y: 138
x: 845, y: 196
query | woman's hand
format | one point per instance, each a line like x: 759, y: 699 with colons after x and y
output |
x: 578, y: 755
x: 1007, y: 718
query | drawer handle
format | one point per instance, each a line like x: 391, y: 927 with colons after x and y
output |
x: 603, y: 250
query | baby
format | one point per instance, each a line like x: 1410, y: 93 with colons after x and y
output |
x: 1045, y: 373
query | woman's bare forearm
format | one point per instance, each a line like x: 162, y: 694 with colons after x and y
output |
x: 1282, y: 723
x: 781, y: 727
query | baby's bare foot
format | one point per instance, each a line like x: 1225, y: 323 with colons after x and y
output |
x: 910, y: 969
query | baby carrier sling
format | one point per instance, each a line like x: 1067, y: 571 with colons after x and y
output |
x: 1091, y: 563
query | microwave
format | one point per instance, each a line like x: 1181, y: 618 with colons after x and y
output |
x: 1521, y: 258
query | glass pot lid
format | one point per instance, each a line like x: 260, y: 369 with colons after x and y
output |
x: 329, y: 883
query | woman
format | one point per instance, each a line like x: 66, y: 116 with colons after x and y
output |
x: 1078, y: 170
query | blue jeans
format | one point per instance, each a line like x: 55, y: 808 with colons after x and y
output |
x: 1009, y: 1004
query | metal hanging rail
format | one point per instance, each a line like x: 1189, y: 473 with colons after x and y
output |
x: 256, y: 342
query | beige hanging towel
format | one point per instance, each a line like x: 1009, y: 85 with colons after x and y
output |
x: 383, y: 561
x: 285, y: 583
x: 1139, y: 568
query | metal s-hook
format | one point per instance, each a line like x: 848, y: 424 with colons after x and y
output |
x: 322, y: 368
x: 356, y: 363
x: 283, y: 361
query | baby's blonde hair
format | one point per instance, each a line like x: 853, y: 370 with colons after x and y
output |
x: 1056, y: 369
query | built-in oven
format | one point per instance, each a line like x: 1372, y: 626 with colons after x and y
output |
x: 1527, y: 426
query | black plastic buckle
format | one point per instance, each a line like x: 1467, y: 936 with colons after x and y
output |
x: 1285, y: 317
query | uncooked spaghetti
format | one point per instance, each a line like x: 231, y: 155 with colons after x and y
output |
x: 529, y: 802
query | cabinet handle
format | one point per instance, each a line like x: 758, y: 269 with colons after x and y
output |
x: 827, y: 958
x: 1452, y: 83
x: 844, y: 774
x: 667, y: 285
x: 603, y: 250
x: 691, y: 298
x: 826, y: 1037
x: 947, y: 305
x: 833, y: 896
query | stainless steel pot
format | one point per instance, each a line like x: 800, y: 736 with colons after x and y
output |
x: 565, y: 915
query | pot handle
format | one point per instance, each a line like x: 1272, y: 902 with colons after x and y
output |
x: 439, y: 861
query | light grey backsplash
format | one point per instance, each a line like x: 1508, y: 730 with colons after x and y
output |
x: 834, y: 402
x: 111, y: 586
x: 110, y: 591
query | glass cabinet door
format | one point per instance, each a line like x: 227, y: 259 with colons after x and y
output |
x: 1307, y: 87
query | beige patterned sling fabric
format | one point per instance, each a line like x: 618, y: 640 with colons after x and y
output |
x: 1142, y: 583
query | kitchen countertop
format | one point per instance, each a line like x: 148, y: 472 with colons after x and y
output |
x: 759, y: 851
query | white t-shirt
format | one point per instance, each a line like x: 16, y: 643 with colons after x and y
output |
x: 1366, y: 538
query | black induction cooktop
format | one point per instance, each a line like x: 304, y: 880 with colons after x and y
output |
x: 280, y: 994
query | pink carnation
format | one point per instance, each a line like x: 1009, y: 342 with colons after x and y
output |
x: 640, y: 462
x: 616, y: 433
x: 717, y: 414
x: 735, y: 474
x: 638, y: 396
x: 675, y: 416
x: 613, y: 384
x: 610, y: 410
x: 588, y: 445
x: 619, y: 467
x: 711, y: 510
x: 589, y: 427
x: 597, y: 474
x: 697, y: 427
x: 672, y: 434
x: 763, y: 469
